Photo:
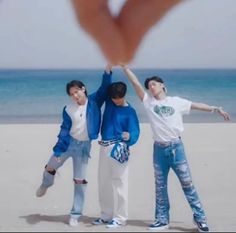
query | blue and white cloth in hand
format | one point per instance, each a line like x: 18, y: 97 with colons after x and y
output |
x: 120, y: 152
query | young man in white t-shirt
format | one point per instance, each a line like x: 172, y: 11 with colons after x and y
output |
x: 165, y: 116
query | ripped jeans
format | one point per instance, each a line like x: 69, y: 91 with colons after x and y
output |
x: 79, y: 151
x: 164, y: 158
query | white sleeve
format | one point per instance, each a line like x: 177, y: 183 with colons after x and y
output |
x: 184, y: 105
x: 146, y: 99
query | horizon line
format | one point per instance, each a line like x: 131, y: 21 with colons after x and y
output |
x: 138, y: 68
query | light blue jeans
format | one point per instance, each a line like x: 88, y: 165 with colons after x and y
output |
x: 164, y: 158
x: 79, y: 151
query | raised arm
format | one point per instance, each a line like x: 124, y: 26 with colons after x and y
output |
x: 101, y: 94
x: 108, y: 68
x: 213, y: 109
x: 135, y: 82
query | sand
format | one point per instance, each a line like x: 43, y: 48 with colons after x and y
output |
x: 25, y: 149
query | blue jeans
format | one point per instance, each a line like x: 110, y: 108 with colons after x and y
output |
x: 79, y: 151
x: 164, y: 158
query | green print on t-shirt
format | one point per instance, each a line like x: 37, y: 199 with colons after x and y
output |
x: 164, y: 111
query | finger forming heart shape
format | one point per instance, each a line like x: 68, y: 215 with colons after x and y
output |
x: 119, y: 36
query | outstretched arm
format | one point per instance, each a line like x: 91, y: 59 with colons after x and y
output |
x: 135, y: 82
x: 208, y: 108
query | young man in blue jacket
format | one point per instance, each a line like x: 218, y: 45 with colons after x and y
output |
x: 81, y: 124
x: 119, y: 131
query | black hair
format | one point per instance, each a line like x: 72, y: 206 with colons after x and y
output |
x: 75, y: 83
x: 156, y: 79
x: 153, y: 78
x: 117, y: 90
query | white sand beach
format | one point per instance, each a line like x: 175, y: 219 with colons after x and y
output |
x: 25, y: 149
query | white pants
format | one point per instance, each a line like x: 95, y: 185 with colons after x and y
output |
x: 113, y: 187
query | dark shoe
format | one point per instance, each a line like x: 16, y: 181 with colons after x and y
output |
x: 158, y: 226
x: 114, y: 224
x: 201, y: 226
x: 99, y: 221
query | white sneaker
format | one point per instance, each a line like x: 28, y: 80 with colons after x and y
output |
x: 73, y: 222
x: 41, y: 191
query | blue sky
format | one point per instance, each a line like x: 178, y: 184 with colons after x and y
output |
x: 45, y: 34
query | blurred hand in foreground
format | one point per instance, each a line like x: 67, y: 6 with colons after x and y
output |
x: 119, y: 36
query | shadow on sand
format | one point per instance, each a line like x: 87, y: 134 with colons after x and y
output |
x: 33, y: 219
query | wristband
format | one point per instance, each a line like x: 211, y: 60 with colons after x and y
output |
x: 215, y: 109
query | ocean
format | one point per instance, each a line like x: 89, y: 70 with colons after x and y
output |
x: 38, y: 96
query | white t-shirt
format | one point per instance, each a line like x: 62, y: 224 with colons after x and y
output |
x: 166, y: 116
x: 77, y: 114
